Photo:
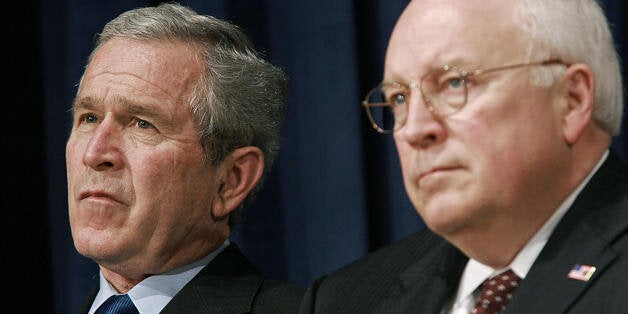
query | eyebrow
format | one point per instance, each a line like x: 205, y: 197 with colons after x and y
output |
x: 128, y: 107
x: 87, y: 103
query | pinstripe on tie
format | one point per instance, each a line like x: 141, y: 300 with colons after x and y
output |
x: 118, y: 304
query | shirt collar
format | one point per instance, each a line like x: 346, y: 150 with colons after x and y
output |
x: 152, y: 294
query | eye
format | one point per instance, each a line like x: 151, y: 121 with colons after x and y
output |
x: 143, y: 124
x: 395, y: 94
x: 452, y: 91
x: 450, y: 81
x: 455, y: 83
x: 88, y: 118
x: 450, y: 87
x: 398, y: 99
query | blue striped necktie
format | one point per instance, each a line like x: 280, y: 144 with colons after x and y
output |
x: 118, y: 304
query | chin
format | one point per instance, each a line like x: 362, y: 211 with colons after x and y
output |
x: 447, y: 229
x: 445, y: 218
x: 93, y: 243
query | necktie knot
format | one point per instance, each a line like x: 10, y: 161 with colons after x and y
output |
x: 118, y: 304
x: 496, y: 292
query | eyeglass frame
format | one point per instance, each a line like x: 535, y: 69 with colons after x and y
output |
x: 428, y: 102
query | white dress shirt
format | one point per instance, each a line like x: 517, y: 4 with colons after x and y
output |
x: 151, y: 295
x: 475, y: 272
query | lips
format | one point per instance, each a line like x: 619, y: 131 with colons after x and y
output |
x: 98, y: 194
x: 436, y: 170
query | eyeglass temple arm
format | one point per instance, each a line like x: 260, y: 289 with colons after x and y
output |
x: 546, y: 62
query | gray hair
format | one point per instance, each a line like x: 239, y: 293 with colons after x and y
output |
x: 578, y: 32
x: 239, y: 98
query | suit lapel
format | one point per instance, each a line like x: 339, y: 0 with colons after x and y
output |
x: 583, y: 237
x: 84, y: 309
x: 425, y: 286
x: 548, y: 281
x: 228, y: 284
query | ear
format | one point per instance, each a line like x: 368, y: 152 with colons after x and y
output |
x: 578, y: 90
x: 240, y: 173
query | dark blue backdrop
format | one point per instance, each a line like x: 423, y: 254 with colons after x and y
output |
x: 335, y: 192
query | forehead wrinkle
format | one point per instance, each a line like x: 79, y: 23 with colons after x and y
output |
x: 134, y: 106
x: 132, y: 84
x: 465, y: 52
x: 161, y: 57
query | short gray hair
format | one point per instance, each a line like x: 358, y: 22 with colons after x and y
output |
x: 239, y: 98
x: 578, y: 31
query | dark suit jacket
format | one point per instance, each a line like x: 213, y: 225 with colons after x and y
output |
x: 229, y: 284
x: 420, y: 274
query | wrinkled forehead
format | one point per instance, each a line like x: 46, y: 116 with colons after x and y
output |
x: 166, y: 66
x: 467, y: 33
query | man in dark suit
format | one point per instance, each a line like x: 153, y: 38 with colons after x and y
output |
x: 502, y: 112
x: 175, y: 122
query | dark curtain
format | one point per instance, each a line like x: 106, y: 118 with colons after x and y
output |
x: 334, y: 194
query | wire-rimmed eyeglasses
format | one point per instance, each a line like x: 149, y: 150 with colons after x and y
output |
x: 444, y: 91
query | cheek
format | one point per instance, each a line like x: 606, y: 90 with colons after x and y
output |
x: 173, y: 200
x: 154, y: 177
x: 407, y: 159
x: 75, y: 170
x: 169, y: 181
x: 156, y: 184
x: 501, y: 158
x: 405, y: 154
x: 73, y: 153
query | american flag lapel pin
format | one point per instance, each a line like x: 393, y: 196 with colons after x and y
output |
x: 581, y: 272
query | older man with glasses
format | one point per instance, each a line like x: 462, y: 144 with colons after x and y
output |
x: 502, y: 112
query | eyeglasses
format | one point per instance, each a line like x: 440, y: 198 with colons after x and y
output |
x: 444, y: 91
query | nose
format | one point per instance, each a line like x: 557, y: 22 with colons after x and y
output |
x: 103, y: 150
x: 423, y: 127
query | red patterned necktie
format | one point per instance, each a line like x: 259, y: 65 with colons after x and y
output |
x: 496, y: 292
